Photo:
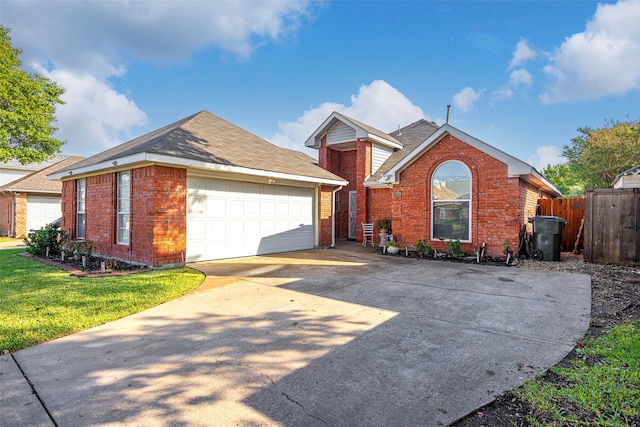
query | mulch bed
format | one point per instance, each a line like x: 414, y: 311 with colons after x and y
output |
x: 615, y: 299
x: 92, y: 266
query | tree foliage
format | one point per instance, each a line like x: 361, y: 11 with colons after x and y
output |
x: 564, y: 179
x: 27, y: 107
x: 598, y: 155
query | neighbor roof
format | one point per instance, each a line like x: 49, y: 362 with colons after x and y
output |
x: 206, y: 141
x: 37, y: 182
x: 16, y: 165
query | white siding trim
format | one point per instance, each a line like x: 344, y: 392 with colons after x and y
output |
x: 340, y: 133
x: 379, y: 154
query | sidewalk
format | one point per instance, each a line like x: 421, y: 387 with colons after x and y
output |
x: 11, y: 243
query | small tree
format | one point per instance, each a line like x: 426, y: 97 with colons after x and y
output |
x: 564, y: 179
x: 598, y: 155
x: 27, y: 107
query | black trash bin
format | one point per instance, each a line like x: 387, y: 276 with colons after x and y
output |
x: 547, y: 237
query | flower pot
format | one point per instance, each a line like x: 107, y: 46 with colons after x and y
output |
x: 392, y: 250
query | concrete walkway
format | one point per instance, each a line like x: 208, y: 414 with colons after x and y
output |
x: 333, y: 337
x: 11, y: 243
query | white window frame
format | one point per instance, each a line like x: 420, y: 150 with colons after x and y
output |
x: 468, y: 201
x: 123, y: 209
x: 81, y: 199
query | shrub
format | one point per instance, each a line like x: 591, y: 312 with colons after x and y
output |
x: 50, y: 237
x: 454, y: 249
x: 82, y: 248
x: 423, y: 248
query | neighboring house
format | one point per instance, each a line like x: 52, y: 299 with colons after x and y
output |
x: 31, y: 201
x: 198, y: 189
x: 628, y: 179
x: 436, y: 183
x: 13, y: 169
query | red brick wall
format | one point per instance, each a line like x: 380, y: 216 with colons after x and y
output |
x: 6, y: 210
x: 529, y: 195
x: 325, y: 209
x: 157, y: 216
x: 20, y: 215
x: 379, y: 205
x: 68, y: 206
x: 495, y: 201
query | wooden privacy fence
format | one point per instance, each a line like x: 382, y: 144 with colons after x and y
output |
x: 612, y: 226
x: 571, y: 210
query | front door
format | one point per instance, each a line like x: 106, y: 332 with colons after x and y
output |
x: 352, y: 215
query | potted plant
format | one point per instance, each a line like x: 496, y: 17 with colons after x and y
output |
x: 391, y: 247
x: 383, y: 225
x: 506, y: 248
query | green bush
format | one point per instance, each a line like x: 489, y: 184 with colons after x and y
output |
x: 454, y: 249
x: 423, y: 248
x: 50, y: 237
x: 82, y: 248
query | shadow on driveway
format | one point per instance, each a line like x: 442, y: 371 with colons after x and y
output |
x: 327, y: 337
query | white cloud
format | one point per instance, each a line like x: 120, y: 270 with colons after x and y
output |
x: 82, y: 44
x: 603, y: 60
x: 466, y: 98
x: 520, y: 77
x: 94, y: 115
x: 522, y: 54
x: 89, y: 34
x: 378, y: 104
x: 545, y: 156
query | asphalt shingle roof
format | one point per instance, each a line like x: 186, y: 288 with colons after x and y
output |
x: 410, y: 137
x: 37, y: 182
x: 207, y: 138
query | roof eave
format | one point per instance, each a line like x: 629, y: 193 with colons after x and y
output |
x: 151, y: 158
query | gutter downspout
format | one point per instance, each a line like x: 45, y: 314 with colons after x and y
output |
x: 333, y: 216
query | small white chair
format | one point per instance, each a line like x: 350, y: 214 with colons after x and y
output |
x: 367, y: 234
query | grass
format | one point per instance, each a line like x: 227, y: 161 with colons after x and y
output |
x: 600, y: 388
x: 39, y: 303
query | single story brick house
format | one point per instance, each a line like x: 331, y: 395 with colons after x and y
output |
x: 435, y: 183
x: 31, y: 201
x: 198, y: 189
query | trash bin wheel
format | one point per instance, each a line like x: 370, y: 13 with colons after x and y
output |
x: 537, y: 254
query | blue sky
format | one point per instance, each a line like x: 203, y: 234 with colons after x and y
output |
x: 522, y: 76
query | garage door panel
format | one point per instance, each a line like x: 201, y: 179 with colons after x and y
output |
x: 42, y: 211
x: 246, y: 219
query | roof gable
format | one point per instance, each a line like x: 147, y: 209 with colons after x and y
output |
x: 206, y: 141
x: 515, y: 166
x: 410, y: 136
x: 362, y: 131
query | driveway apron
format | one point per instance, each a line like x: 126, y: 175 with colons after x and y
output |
x: 330, y: 337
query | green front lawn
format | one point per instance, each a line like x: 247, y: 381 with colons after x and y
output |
x: 600, y: 388
x: 39, y: 303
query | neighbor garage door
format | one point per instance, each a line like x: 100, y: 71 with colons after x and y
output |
x: 41, y: 211
x: 227, y: 219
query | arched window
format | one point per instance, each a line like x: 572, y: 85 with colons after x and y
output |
x: 450, y: 202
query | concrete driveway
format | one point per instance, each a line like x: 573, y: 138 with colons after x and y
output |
x: 333, y: 337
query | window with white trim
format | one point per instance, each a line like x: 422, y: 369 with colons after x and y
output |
x: 81, y: 186
x: 451, y: 202
x: 124, y: 207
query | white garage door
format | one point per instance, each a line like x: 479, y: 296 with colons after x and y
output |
x: 41, y: 211
x: 227, y: 219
